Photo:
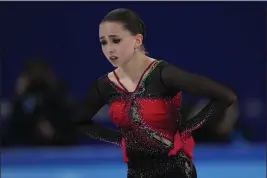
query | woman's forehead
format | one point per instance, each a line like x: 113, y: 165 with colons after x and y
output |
x: 111, y: 28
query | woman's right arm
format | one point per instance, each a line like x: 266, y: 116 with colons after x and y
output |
x: 92, y: 103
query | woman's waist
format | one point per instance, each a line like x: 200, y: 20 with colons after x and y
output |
x: 164, y: 136
x: 144, y: 145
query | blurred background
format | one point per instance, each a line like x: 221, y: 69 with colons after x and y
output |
x: 57, y: 42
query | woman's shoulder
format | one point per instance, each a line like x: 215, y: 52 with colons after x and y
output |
x: 160, y: 64
x: 104, y: 81
x: 101, y: 80
x: 167, y: 65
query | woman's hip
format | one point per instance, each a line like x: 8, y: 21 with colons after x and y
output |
x: 163, y: 166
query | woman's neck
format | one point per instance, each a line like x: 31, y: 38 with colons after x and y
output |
x: 135, y: 67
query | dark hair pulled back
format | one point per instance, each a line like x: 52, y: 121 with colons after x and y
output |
x: 130, y: 20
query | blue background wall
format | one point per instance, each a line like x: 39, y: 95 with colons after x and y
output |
x: 222, y: 40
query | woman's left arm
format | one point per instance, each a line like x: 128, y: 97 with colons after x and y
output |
x: 176, y: 79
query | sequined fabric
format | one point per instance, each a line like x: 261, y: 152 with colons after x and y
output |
x: 162, y: 167
x: 155, y: 141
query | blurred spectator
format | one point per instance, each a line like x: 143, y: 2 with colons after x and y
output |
x: 42, y: 109
x: 216, y: 130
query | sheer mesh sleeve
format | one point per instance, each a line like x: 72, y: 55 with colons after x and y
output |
x: 176, y: 79
x: 89, y: 107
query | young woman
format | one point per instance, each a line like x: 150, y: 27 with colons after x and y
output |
x: 144, y: 95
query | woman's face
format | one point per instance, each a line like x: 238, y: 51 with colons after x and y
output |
x: 118, y: 44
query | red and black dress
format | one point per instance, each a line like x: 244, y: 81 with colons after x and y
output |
x: 155, y: 141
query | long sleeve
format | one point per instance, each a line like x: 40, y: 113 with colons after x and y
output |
x: 176, y: 79
x: 92, y: 103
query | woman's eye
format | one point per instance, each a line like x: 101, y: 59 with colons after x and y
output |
x: 103, y: 42
x: 116, y: 40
